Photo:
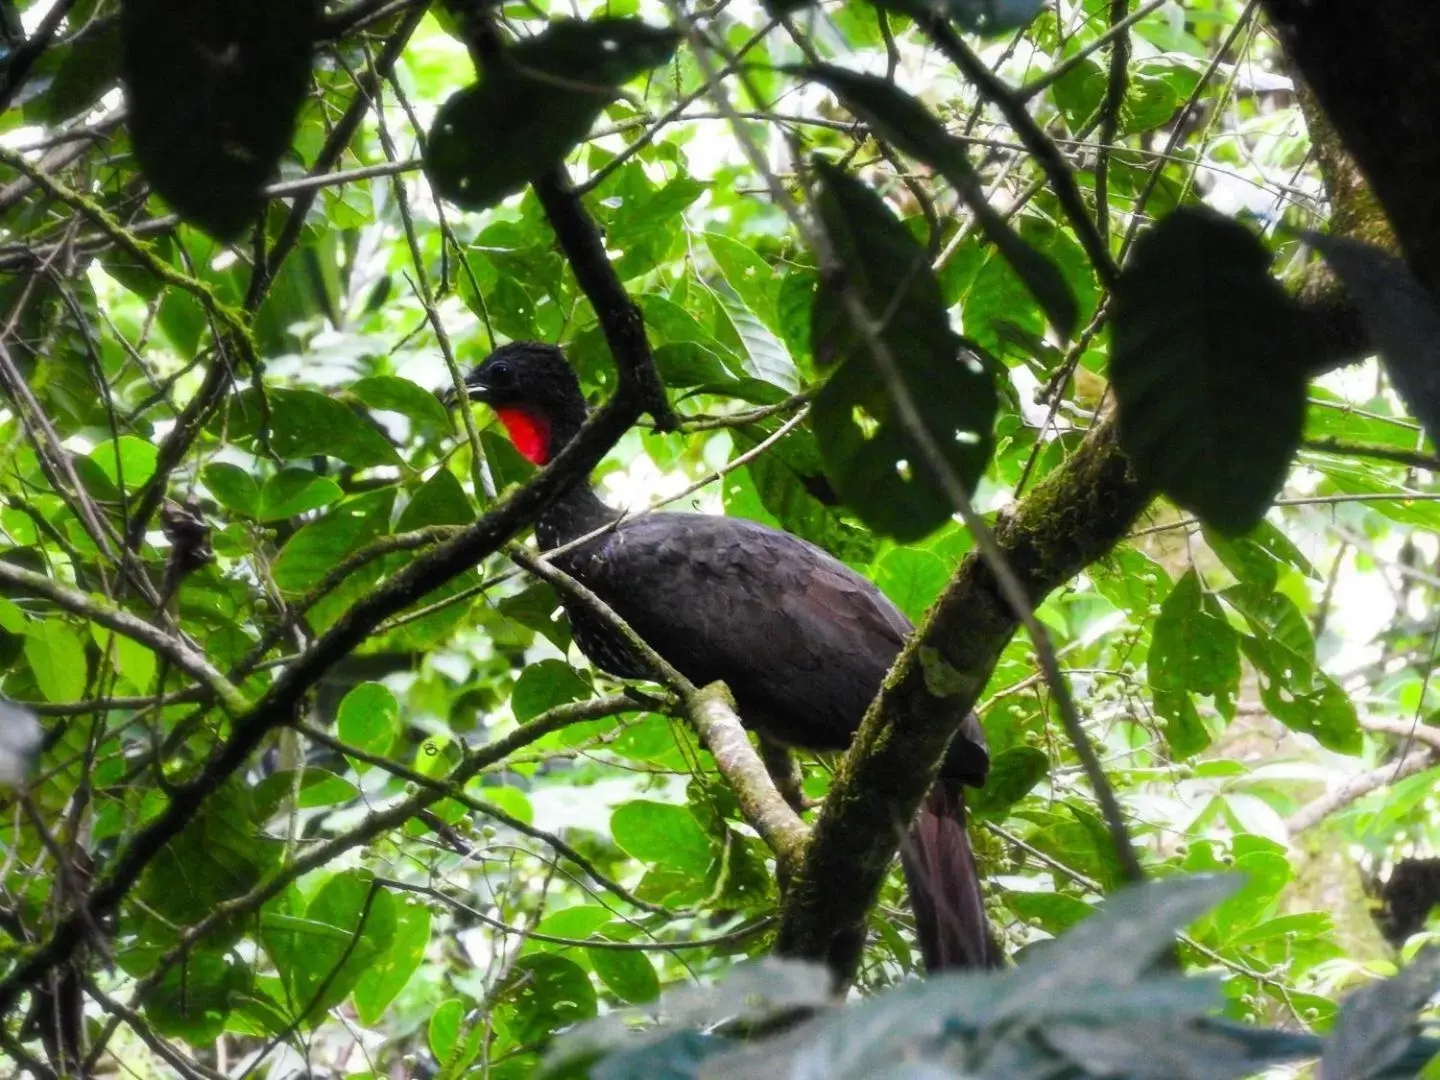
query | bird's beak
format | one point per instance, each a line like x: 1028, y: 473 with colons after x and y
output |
x: 475, y: 390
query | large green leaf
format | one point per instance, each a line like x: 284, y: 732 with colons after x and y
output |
x: 661, y: 834
x: 541, y: 994
x: 1208, y: 362
x: 313, y: 551
x: 307, y: 423
x: 213, y: 90
x: 534, y: 104
x: 369, y: 718
x: 869, y: 453
x: 1194, y: 648
x: 57, y: 660
x: 346, y: 928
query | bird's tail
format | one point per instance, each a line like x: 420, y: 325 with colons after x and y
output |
x: 945, y: 886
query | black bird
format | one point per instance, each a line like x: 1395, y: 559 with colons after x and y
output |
x: 802, y: 641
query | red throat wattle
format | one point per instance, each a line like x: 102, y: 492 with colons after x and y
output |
x: 529, y: 431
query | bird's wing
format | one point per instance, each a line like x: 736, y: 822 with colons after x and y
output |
x: 797, y: 635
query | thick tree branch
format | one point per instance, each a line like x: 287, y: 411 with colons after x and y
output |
x: 1069, y: 520
x: 1357, y: 787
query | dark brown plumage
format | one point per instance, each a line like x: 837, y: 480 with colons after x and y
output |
x: 802, y: 641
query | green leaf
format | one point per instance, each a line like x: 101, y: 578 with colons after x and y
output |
x: 544, y: 685
x: 295, y: 491
x: 578, y: 922
x: 1208, y: 362
x: 869, y: 454
x: 86, y: 69
x: 127, y: 456
x: 536, y: 607
x: 903, y: 121
x: 323, y: 967
x: 212, y: 92
x: 394, y: 394
x: 747, y: 273
x: 444, y: 1031
x: 57, y: 660
x: 313, y: 551
x: 307, y: 423
x: 1054, y: 912
x: 194, y: 997
x: 512, y: 800
x: 1194, y: 648
x: 1315, y: 705
x: 661, y: 834
x: 439, y: 501
x: 387, y: 976
x: 630, y: 976
x: 233, y: 487
x: 369, y: 718
x: 541, y: 994
x: 218, y: 856
x: 534, y: 104
x: 1013, y: 773
x: 912, y: 578
x: 1184, y: 730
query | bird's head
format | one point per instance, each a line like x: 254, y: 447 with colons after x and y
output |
x: 534, y: 392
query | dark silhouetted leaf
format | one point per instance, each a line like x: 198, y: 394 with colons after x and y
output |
x: 901, y: 120
x: 1378, y: 1022
x: 213, y: 91
x: 1208, y: 364
x: 870, y: 456
x: 1402, y: 318
x: 535, y: 104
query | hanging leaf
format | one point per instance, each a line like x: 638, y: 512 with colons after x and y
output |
x: 1194, y: 648
x: 870, y: 456
x: 212, y: 92
x: 1208, y: 361
x: 534, y: 104
x: 1401, y: 316
x: 902, y: 121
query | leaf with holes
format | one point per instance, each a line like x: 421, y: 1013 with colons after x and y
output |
x: 1194, y: 647
x: 534, y: 104
x: 212, y: 93
x: 909, y: 126
x: 1208, y: 361
x: 870, y: 453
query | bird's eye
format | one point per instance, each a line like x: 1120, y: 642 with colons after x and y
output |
x: 500, y: 376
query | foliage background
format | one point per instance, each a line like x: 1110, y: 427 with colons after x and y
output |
x: 1259, y: 702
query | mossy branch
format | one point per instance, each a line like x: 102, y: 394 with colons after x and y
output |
x: 1069, y: 520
